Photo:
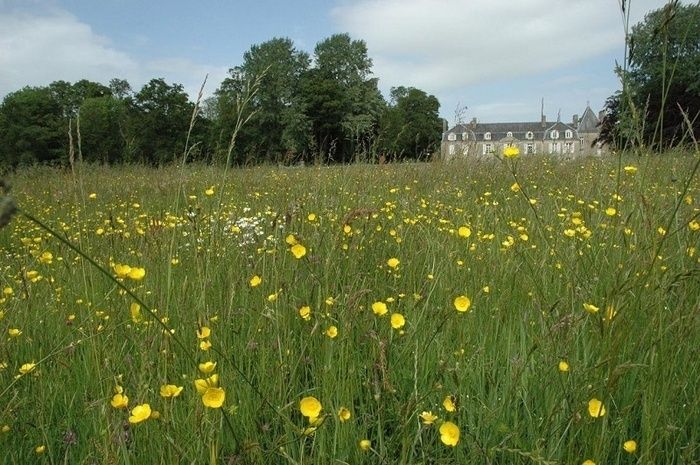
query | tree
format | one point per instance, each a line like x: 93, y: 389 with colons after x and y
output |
x: 410, y: 126
x: 159, y: 121
x: 33, y: 129
x: 663, y: 78
x: 343, y: 101
x: 102, y: 129
x: 279, y: 124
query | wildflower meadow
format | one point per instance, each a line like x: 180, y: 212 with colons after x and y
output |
x: 510, y: 310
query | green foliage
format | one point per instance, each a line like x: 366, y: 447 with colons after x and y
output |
x: 661, y: 83
x: 159, y: 121
x: 102, y: 126
x: 411, y: 125
x: 32, y: 129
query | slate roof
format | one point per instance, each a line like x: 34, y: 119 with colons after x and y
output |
x: 588, y: 122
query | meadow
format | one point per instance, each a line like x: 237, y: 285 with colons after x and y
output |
x: 503, y: 311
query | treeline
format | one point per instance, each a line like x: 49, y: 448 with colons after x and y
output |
x: 325, y: 108
x: 659, y: 105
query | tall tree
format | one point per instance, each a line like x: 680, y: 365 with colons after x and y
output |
x: 411, y: 125
x: 663, y: 78
x: 102, y: 129
x: 159, y: 121
x: 32, y: 129
x: 278, y: 126
x: 343, y: 100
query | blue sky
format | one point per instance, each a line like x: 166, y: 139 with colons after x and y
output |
x: 496, y: 57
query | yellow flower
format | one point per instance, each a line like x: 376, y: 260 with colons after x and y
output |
x: 140, y: 413
x: 204, y: 345
x: 136, y: 274
x: 170, y: 390
x: 397, y: 321
x: 464, y: 231
x: 40, y: 449
x: 311, y: 217
x: 393, y: 262
x: 661, y: 231
x: 379, y: 308
x: 14, y: 332
x: 291, y: 240
x: 630, y: 446
x: 203, y: 332
x: 310, y: 407
x: 462, y: 303
x: 46, y: 258
x: 298, y: 250
x: 122, y: 271
x: 207, y: 367
x: 255, y: 281
x: 201, y: 385
x: 694, y: 225
x: 305, y: 313
x: 563, y: 366
x: 588, y: 462
x: 5, y: 428
x: 119, y: 401
x: 365, y: 444
x: 596, y: 408
x: 515, y: 187
x: 590, y: 308
x: 511, y: 152
x: 27, y: 368
x: 344, y: 414
x: 631, y: 169
x: 427, y: 418
x: 92, y: 196
x: 449, y: 404
x: 210, y: 191
x: 610, y: 211
x: 135, y: 311
x: 449, y: 434
x: 332, y: 332
x: 213, y: 397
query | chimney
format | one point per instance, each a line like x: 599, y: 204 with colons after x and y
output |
x: 473, y: 123
x: 444, y: 125
x: 544, y: 120
x: 574, y: 121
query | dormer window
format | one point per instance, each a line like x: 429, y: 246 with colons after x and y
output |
x: 452, y: 136
x: 554, y: 134
x: 529, y: 135
x: 569, y: 134
x: 509, y: 134
x: 487, y: 136
x: 465, y: 136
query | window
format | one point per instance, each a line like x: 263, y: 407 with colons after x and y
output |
x: 487, y: 148
x: 465, y: 149
x: 451, y: 150
x: 529, y: 135
x: 487, y: 136
x: 554, y: 134
x: 509, y: 134
x: 580, y: 141
x: 568, y: 147
x: 569, y: 134
x: 452, y: 136
x: 529, y: 148
x: 465, y: 136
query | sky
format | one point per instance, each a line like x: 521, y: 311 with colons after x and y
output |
x: 494, y: 60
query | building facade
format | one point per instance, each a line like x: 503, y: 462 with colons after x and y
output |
x: 476, y: 139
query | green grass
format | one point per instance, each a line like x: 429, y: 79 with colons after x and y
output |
x: 500, y: 359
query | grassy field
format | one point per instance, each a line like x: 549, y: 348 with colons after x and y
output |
x: 524, y: 311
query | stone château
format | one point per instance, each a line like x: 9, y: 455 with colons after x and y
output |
x: 476, y: 139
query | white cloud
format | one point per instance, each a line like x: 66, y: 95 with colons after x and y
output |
x: 443, y: 45
x: 36, y: 49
